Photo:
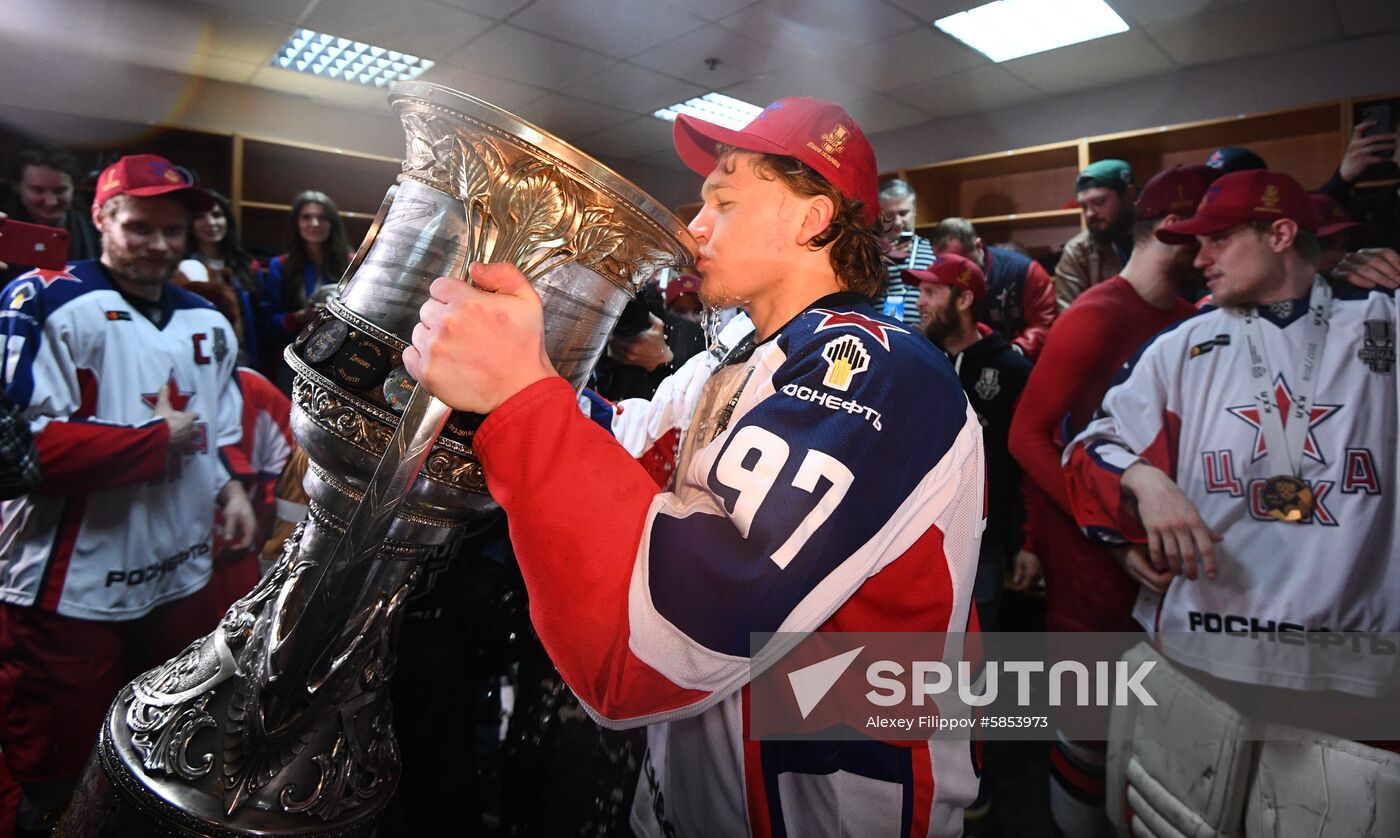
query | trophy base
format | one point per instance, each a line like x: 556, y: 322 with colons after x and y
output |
x: 113, y: 800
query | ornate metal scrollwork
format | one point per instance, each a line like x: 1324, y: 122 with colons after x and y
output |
x: 279, y: 721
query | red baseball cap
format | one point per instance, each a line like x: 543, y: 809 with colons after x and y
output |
x: 149, y: 175
x: 954, y: 271
x: 819, y: 133
x: 1334, y: 217
x: 1175, y: 191
x: 683, y: 284
x: 1238, y: 197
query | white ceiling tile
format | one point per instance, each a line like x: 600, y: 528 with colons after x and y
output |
x: 615, y: 27
x: 709, y: 9
x: 930, y: 10
x: 1104, y: 61
x: 242, y: 38
x: 417, y: 27
x: 876, y: 114
x: 815, y: 29
x: 1147, y: 12
x: 638, y: 138
x: 334, y: 91
x: 1258, y: 28
x: 571, y: 119
x: 223, y: 69
x: 668, y: 159
x: 633, y: 88
x: 919, y: 55
x: 821, y: 82
x: 494, y: 9
x: 983, y: 88
x: 1364, y: 17
x: 506, y: 95
x: 285, y: 11
x: 106, y: 28
x: 514, y: 54
x: 684, y: 57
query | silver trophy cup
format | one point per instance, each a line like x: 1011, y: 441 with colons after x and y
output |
x: 279, y: 722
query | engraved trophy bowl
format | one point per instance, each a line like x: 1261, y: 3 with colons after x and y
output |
x: 279, y: 722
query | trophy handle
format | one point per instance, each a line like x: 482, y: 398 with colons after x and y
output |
x: 373, y: 233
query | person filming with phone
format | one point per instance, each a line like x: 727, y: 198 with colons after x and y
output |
x: 41, y: 192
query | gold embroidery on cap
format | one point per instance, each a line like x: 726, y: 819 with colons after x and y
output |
x: 1268, y: 202
x: 833, y: 143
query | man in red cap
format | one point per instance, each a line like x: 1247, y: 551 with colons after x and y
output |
x: 128, y: 385
x: 797, y: 504
x: 951, y: 293
x: 1251, y: 451
x: 1334, y: 233
x: 1086, y: 589
x: 683, y: 297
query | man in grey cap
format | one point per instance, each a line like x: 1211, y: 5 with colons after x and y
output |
x: 1105, y: 192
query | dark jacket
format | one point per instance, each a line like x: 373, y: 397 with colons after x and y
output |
x: 993, y: 375
x: 1378, y: 207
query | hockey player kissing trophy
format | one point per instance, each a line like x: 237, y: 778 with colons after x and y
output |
x: 279, y: 722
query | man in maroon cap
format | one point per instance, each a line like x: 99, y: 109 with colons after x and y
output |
x: 1251, y: 451
x: 952, y: 291
x: 1086, y: 590
x: 128, y: 385
x: 1335, y: 231
x: 798, y: 502
x: 683, y: 297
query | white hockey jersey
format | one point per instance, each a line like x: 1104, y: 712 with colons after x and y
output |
x: 115, y: 528
x: 1186, y: 406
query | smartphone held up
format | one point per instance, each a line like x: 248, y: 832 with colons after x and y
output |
x: 32, y: 245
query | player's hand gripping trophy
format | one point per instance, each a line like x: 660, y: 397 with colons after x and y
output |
x: 279, y: 722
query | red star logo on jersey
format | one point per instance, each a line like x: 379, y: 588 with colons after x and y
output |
x: 178, y: 399
x: 1283, y: 397
x: 49, y: 277
x: 875, y: 328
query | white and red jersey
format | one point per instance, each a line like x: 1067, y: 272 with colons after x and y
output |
x: 830, y: 479
x: 1186, y: 405
x: 651, y: 429
x: 117, y: 527
x: 266, y: 444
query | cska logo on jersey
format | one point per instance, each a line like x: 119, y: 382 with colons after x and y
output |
x: 1283, y: 397
x: 875, y: 328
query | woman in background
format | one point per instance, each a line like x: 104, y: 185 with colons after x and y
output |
x: 317, y: 255
x: 216, y: 255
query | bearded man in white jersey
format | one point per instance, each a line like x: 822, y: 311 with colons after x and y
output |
x: 128, y: 386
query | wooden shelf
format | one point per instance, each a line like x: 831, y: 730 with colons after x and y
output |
x: 1001, y: 163
x: 1021, y: 182
x: 1044, y: 218
x: 260, y: 205
x: 1019, y: 194
x: 274, y: 172
x: 1308, y: 143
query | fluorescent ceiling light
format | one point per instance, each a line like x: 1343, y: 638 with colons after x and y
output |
x: 341, y: 58
x: 1010, y: 29
x: 714, y: 107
